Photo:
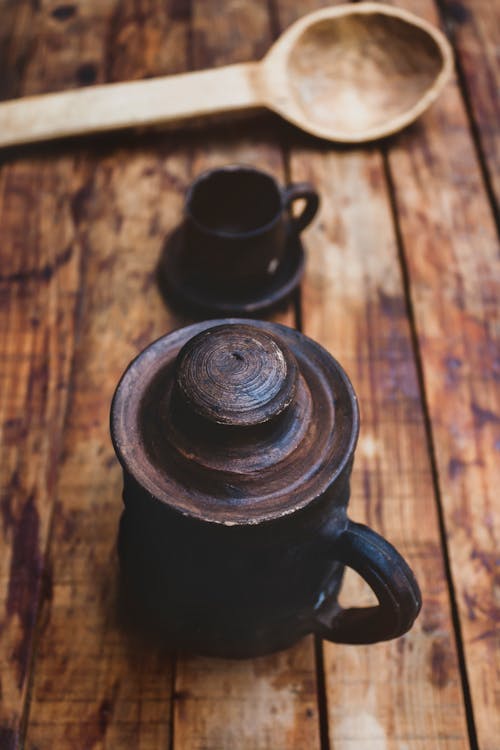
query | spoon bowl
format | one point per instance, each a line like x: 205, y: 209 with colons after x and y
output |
x: 357, y: 72
x: 349, y: 73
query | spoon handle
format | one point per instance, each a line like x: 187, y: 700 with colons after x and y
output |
x: 154, y: 101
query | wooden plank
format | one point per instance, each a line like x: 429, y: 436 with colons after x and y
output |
x: 451, y: 251
x: 474, y: 26
x: 16, y: 41
x: 94, y: 685
x: 39, y: 295
x: 268, y: 702
x: 91, y: 684
x: 405, y: 693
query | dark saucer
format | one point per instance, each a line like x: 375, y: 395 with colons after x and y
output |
x: 177, y: 287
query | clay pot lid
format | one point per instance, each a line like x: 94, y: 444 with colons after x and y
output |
x: 234, y: 421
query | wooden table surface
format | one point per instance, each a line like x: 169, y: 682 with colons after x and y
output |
x: 402, y: 286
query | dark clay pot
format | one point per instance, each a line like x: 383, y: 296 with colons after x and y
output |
x: 237, y: 441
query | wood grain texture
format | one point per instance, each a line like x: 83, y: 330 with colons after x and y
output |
x: 405, y: 693
x: 451, y: 251
x: 39, y: 306
x: 39, y: 298
x: 268, y: 703
x: 16, y: 45
x: 474, y: 27
x: 94, y: 685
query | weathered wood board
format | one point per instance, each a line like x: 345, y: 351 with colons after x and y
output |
x: 40, y: 292
x: 109, y: 702
x: 474, y: 27
x: 451, y: 252
x: 354, y: 303
x: 90, y: 683
x: 406, y: 692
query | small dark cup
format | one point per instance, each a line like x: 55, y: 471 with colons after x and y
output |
x: 237, y: 225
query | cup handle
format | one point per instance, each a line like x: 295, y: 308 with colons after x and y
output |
x: 304, y: 191
x: 390, y: 578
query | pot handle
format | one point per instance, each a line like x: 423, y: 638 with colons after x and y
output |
x: 392, y: 581
x: 304, y: 191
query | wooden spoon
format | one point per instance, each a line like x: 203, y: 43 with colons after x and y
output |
x: 349, y: 73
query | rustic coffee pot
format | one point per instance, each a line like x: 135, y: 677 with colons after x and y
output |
x: 237, y: 441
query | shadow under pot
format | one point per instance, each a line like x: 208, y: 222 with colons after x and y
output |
x: 237, y: 441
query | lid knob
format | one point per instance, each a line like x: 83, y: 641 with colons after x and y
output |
x: 236, y: 375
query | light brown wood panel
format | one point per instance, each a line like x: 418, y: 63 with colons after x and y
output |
x: 39, y: 305
x: 474, y: 27
x: 17, y: 23
x: 451, y: 250
x: 50, y: 63
x: 406, y: 693
x: 94, y: 684
x: 39, y: 298
x: 267, y: 703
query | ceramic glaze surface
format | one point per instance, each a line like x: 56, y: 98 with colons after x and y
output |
x: 237, y: 442
x: 241, y: 425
